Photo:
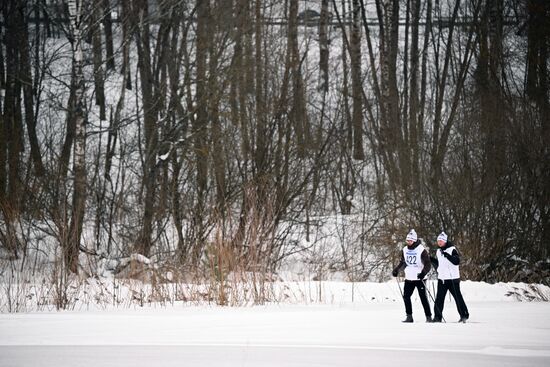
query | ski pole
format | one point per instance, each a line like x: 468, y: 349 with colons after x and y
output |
x: 433, y: 300
x: 399, y: 285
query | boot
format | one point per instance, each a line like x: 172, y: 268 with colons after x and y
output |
x: 429, y: 319
x: 436, y: 319
x: 463, y: 319
x: 408, y: 319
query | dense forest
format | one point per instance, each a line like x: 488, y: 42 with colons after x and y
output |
x: 223, y: 133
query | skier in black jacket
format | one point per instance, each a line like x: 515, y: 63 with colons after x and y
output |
x: 448, y: 275
x: 416, y: 262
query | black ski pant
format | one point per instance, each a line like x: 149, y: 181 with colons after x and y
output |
x: 453, y: 286
x: 410, y: 285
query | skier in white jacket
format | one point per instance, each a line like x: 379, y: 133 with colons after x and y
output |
x: 416, y: 262
x: 448, y: 275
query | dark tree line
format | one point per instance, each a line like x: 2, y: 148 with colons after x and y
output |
x: 185, y: 130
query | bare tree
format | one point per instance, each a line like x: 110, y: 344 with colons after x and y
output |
x: 99, y: 77
x: 108, y: 26
x: 488, y: 74
x: 200, y: 126
x: 298, y: 112
x: 356, y: 81
x: 29, y: 95
x: 72, y: 247
x: 215, y: 87
x: 324, y: 48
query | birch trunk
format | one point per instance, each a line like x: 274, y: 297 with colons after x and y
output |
x: 72, y: 247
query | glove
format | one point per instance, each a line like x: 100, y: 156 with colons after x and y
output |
x: 394, y: 273
x: 421, y: 275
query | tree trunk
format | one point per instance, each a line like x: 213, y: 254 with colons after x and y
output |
x: 323, y: 48
x: 241, y: 57
x: 436, y: 157
x: 390, y: 130
x: 347, y: 126
x: 2, y: 63
x: 200, y: 127
x: 3, y: 155
x: 13, y: 13
x: 261, y: 128
x: 414, y: 132
x: 423, y: 70
x: 537, y: 90
x: 218, y: 153
x: 488, y: 86
x: 30, y: 119
x: 144, y: 243
x: 126, y: 17
x: 298, y: 115
x: 180, y: 122
x: 72, y: 247
x: 99, y: 78
x: 108, y: 26
x: 356, y: 82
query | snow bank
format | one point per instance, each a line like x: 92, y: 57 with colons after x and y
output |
x: 112, y: 293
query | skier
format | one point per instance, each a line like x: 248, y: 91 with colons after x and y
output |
x: 416, y: 261
x: 448, y: 276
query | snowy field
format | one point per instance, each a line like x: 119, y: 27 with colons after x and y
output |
x: 502, y: 331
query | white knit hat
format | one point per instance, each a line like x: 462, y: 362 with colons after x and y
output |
x: 412, y: 236
x: 442, y: 236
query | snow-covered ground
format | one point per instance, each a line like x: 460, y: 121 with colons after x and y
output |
x: 501, y: 331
